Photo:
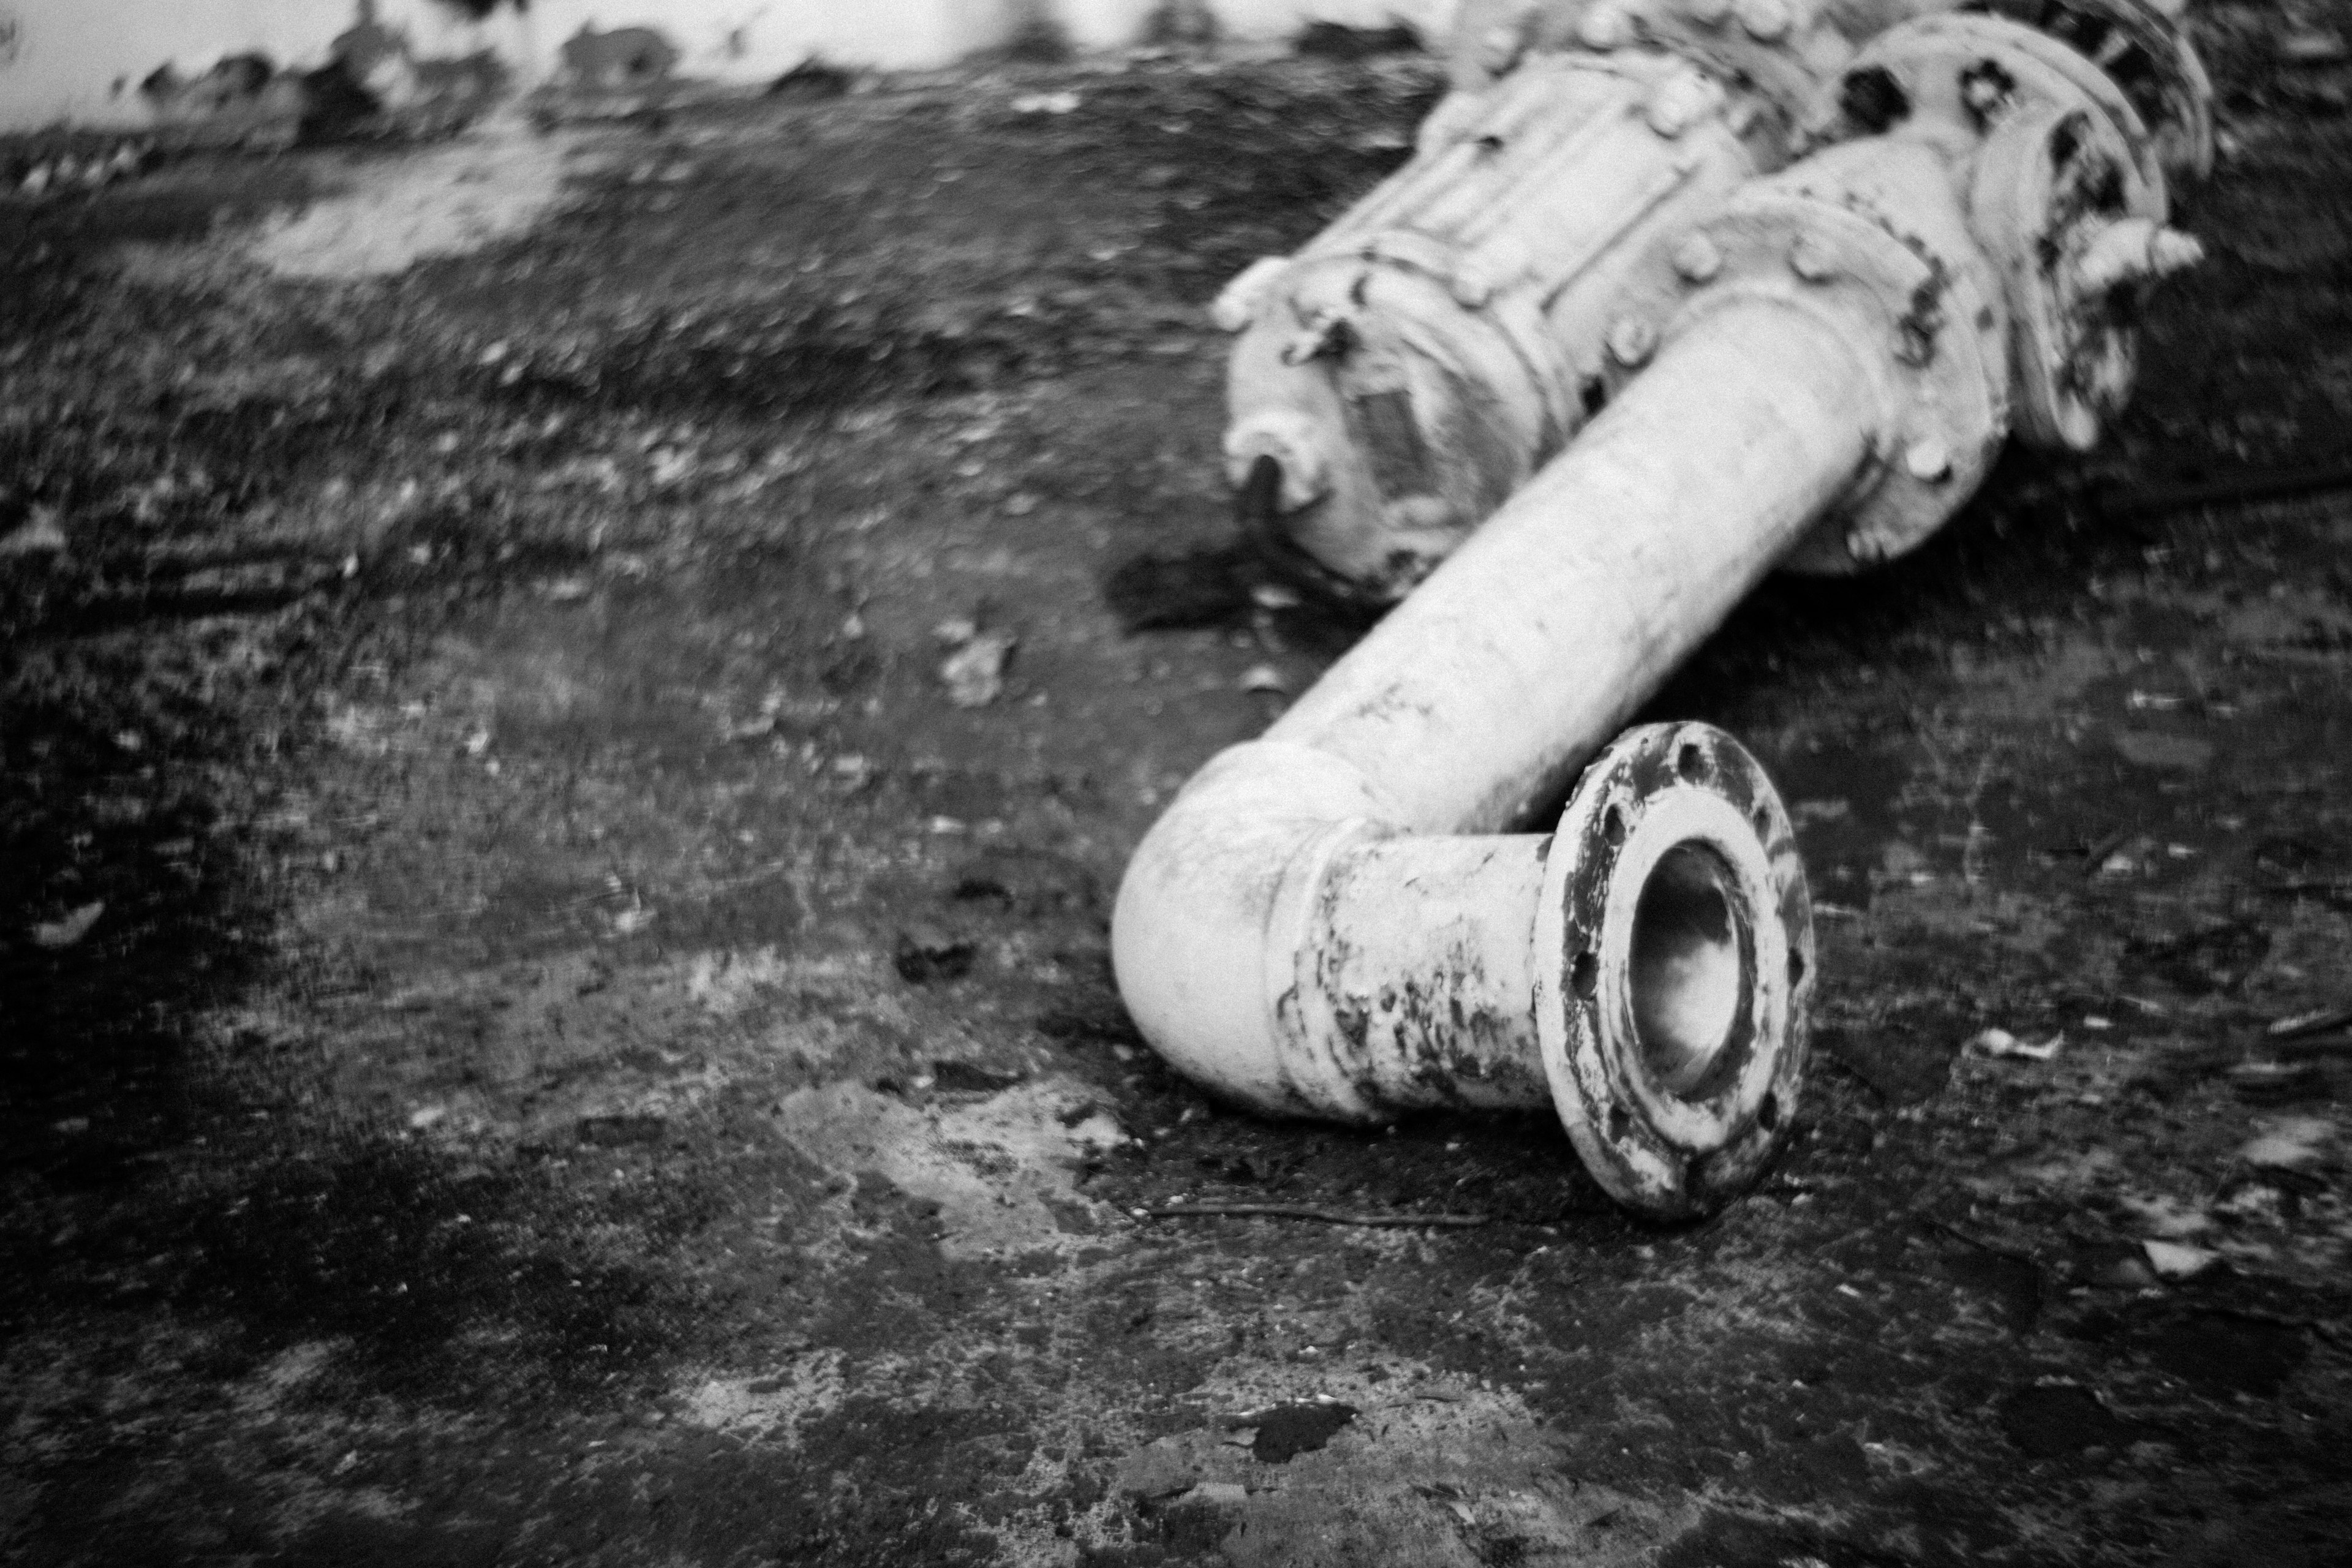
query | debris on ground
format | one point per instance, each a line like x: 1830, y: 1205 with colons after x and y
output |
x: 2291, y: 1144
x: 2001, y: 1043
x: 37, y: 534
x: 2313, y: 46
x: 925, y: 954
x: 68, y: 929
x: 1287, y: 1431
x: 2175, y: 1260
x: 974, y: 672
x: 2317, y: 1021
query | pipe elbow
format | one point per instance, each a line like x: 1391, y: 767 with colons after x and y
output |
x: 1212, y: 914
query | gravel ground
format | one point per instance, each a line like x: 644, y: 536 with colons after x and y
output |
x: 540, y: 1025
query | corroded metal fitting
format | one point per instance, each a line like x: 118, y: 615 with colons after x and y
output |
x: 1871, y: 238
x: 1674, y: 968
x: 2068, y: 189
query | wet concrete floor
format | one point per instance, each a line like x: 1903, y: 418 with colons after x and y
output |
x: 536, y: 1030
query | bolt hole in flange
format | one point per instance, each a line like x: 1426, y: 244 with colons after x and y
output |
x: 1584, y: 975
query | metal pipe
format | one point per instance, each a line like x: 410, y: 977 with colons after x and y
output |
x: 1328, y: 922
x: 1336, y: 919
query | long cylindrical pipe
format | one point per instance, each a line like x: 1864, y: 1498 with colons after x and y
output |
x: 1471, y: 703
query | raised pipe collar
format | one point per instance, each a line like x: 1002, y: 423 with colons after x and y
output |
x: 1871, y: 237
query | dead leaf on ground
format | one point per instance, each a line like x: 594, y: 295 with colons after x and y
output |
x: 68, y: 929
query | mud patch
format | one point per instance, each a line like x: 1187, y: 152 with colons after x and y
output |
x: 494, y: 185
x: 2049, y: 1422
x: 771, y: 1407
x: 1002, y: 1171
x: 443, y: 1283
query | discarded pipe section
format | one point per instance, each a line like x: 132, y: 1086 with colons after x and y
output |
x: 1584, y: 375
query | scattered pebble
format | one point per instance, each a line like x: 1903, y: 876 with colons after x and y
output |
x: 2001, y: 1043
x: 2313, y: 46
x: 2291, y: 1144
x: 2172, y: 1260
x: 39, y: 534
x: 974, y: 673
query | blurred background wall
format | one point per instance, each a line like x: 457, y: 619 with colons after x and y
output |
x: 81, y: 61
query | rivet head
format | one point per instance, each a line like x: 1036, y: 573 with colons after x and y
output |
x: 2171, y: 251
x: 1765, y: 20
x: 1472, y: 287
x: 1630, y: 341
x: 1603, y: 27
x: 1811, y: 260
x: 1500, y: 50
x: 1696, y: 259
x: 1928, y: 460
x: 1679, y: 102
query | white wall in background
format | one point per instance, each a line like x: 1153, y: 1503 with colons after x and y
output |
x: 80, y: 60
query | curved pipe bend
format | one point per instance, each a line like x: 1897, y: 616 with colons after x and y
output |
x: 1331, y: 921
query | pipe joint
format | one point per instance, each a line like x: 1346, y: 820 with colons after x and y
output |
x: 1674, y: 969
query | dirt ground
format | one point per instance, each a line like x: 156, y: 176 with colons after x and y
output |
x: 538, y: 1029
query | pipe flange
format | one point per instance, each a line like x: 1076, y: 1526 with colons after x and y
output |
x: 1973, y: 73
x: 2149, y: 57
x: 1675, y: 964
x: 1898, y: 275
x: 2050, y: 204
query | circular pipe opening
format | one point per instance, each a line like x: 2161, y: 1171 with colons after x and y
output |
x: 1691, y: 960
